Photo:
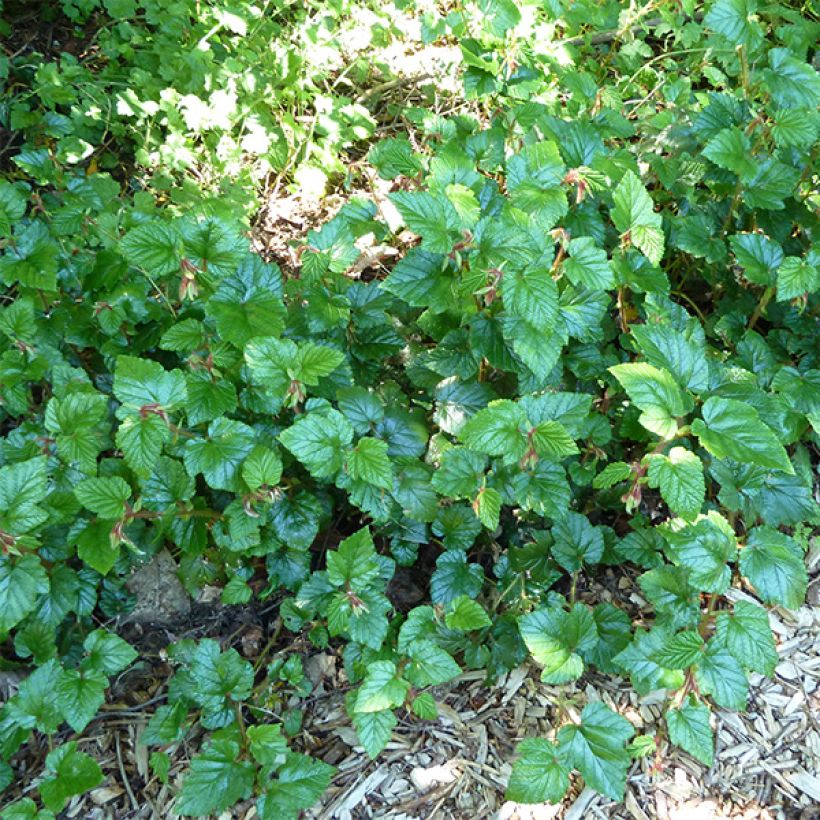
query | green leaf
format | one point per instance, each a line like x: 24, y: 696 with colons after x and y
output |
x: 220, y: 456
x: 634, y: 214
x: 793, y: 83
x: 107, y: 652
x: 556, y: 638
x: 453, y: 577
x: 746, y: 634
x: 79, y: 695
x: 424, y: 706
x: 732, y: 149
x: 97, y: 547
x: 430, y: 664
x: 774, y: 565
x: 797, y: 277
x: 588, y: 265
x: 733, y: 429
x: 298, y: 785
x: 154, y: 246
x: 208, y: 399
x: 532, y: 296
x: 704, y: 549
x: 758, y: 255
x: 22, y: 487
x: 105, y: 497
x: 460, y: 474
x: 22, y: 581
x: 141, y: 439
x: 314, y: 362
x: 140, y: 383
x: 538, y: 776
x: 419, y: 280
x: 596, y: 749
x: 680, y: 478
x: 354, y: 562
x: 68, y: 772
x: 496, y: 430
x: 551, y: 440
x: 374, y: 730
x: 577, y: 542
x: 735, y: 20
x: 394, y: 157
x: 266, y: 743
x: 654, y: 391
x: 368, y: 461
x: 217, y: 780
x: 681, y: 651
x: 689, y: 728
x: 718, y: 674
x: 487, y: 507
x: 262, y: 468
x: 248, y: 303
x: 432, y: 217
x: 381, y: 689
x: 614, y: 473
x: 319, y: 441
x: 34, y: 704
x: 465, y: 615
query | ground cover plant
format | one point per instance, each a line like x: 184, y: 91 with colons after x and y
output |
x: 598, y: 349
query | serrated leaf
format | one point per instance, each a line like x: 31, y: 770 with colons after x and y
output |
x: 718, y: 674
x: 219, y: 457
x: 588, y: 265
x: 107, y: 652
x: 319, y: 441
x: 735, y: 20
x: 374, y: 730
x: 538, y: 776
x: 681, y: 651
x: 430, y: 216
x: 746, y: 633
x: 496, y: 430
x: 218, y: 779
x: 689, y: 728
x: 453, y: 577
x: 704, y: 548
x: 774, y: 565
x: 758, y: 255
x: 68, y: 772
x: 22, y: 580
x: 576, y: 542
x: 80, y: 693
x: 465, y: 615
x: 487, y: 506
x: 299, y: 783
x: 596, y: 748
x: 368, y: 461
x: 732, y: 149
x: 796, y: 277
x: 551, y: 440
x: 381, y: 688
x: 105, y: 497
x: 424, y: 706
x: 154, y: 246
x: 532, y: 296
x: 614, y: 473
x: 556, y: 638
x: 654, y: 391
x: 430, y: 664
x: 634, y: 213
x: 733, y: 429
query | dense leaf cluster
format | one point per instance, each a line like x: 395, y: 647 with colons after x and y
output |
x: 600, y: 351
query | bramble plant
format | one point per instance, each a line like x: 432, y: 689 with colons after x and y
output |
x: 601, y: 351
